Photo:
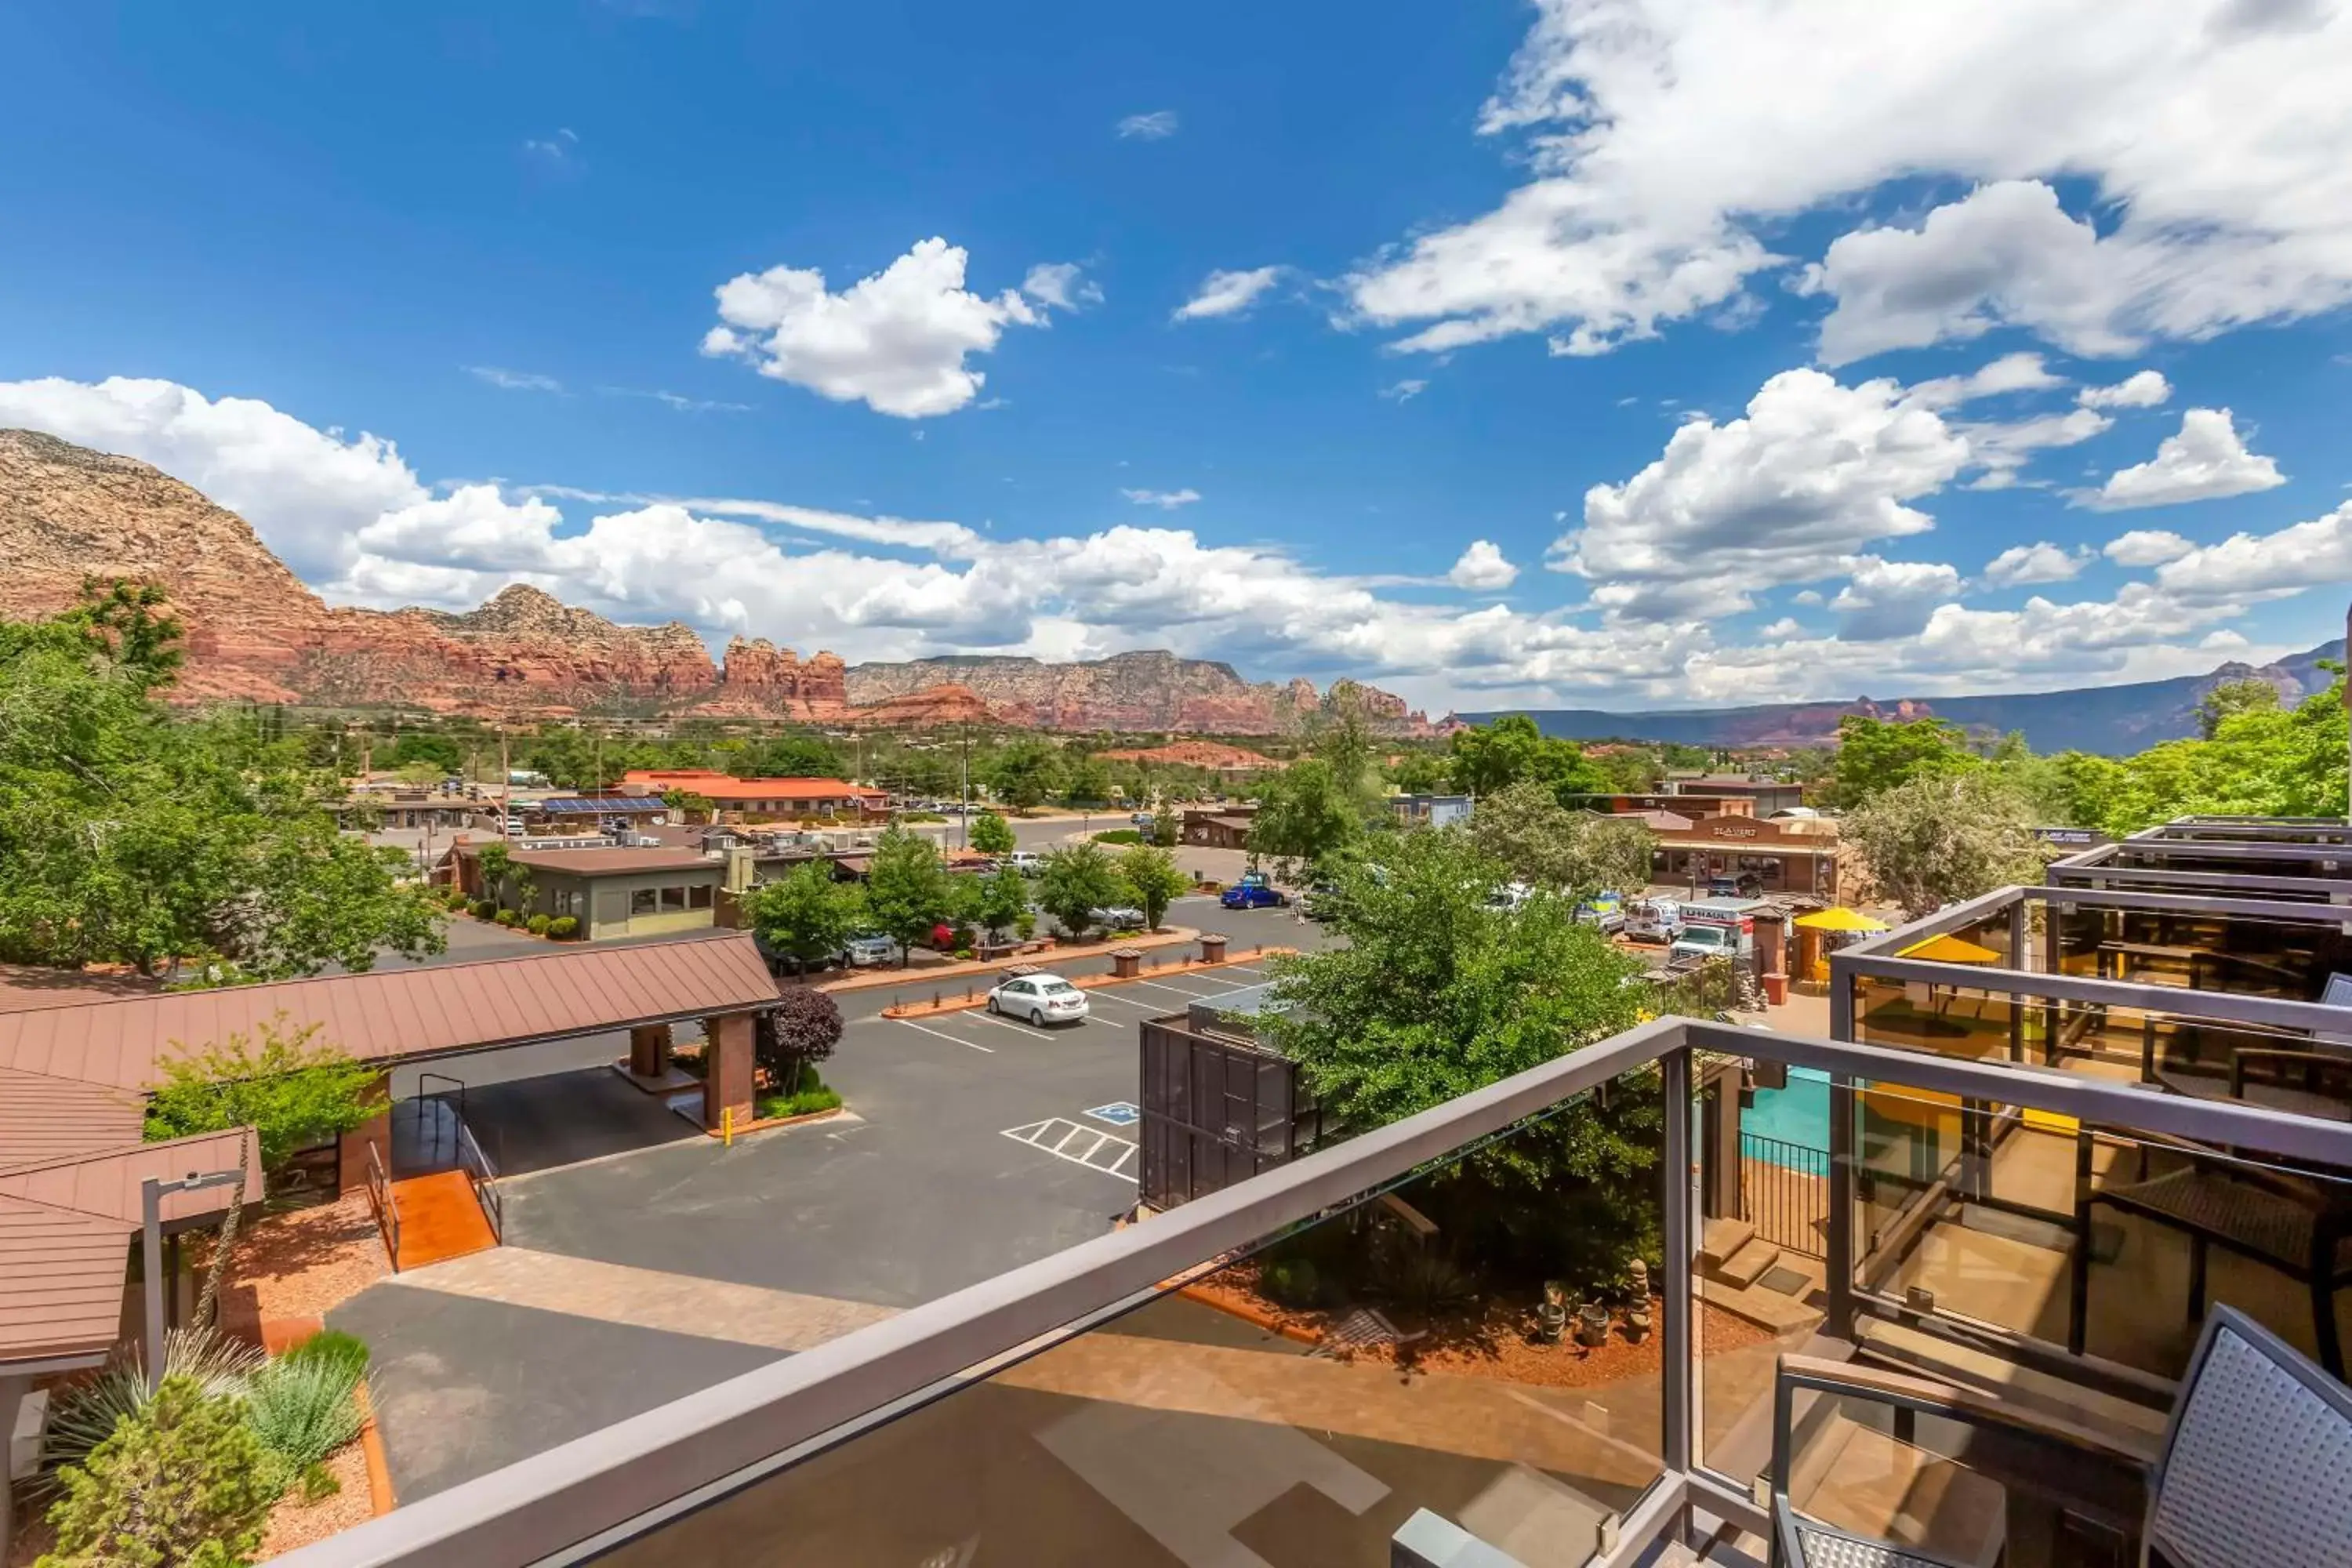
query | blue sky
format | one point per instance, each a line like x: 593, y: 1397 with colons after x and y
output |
x: 1613, y: 353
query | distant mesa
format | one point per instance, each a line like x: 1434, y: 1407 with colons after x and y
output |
x: 256, y: 633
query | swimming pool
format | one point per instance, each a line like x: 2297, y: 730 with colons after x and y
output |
x: 1799, y: 1115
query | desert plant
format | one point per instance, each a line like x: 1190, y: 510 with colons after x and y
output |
x: 1292, y: 1282
x: 302, y: 1407
x: 182, y: 1481
x: 86, y: 1413
x: 563, y: 927
x: 334, y: 1345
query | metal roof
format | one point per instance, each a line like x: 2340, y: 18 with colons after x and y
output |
x: 389, y: 1015
x: 61, y: 1281
x: 43, y: 1118
x: 105, y: 1183
x: 604, y: 806
x: 613, y: 861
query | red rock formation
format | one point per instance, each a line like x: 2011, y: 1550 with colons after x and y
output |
x: 1211, y: 754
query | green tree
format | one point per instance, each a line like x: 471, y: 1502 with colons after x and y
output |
x: 292, y: 1092
x: 1085, y: 782
x: 804, y: 914
x: 1943, y: 838
x: 1490, y: 758
x: 494, y: 863
x: 1152, y: 873
x: 791, y: 757
x: 1304, y: 816
x: 907, y: 890
x: 1573, y: 852
x: 1876, y: 755
x: 2229, y: 698
x: 1025, y: 773
x: 1166, y: 825
x: 801, y: 1031
x: 1431, y: 995
x: 437, y: 751
x: 1342, y: 741
x: 1421, y: 772
x: 1004, y: 900
x: 182, y: 1483
x: 992, y: 834
x: 1078, y: 880
x: 130, y: 835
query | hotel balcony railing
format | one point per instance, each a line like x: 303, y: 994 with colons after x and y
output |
x: 1140, y: 1399
x: 2295, y: 872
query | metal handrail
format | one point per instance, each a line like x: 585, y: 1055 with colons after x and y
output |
x: 476, y: 1164
x: 625, y: 1478
x: 386, y: 1206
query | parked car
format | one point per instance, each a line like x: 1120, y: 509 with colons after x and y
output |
x: 1028, y: 862
x: 1323, y: 900
x: 1140, y: 818
x: 1040, y: 998
x: 867, y: 951
x: 779, y: 964
x: 1510, y: 897
x: 1258, y: 895
x: 1701, y: 942
x: 1606, y: 911
x: 1653, y: 920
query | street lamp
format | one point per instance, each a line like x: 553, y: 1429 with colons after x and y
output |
x: 151, y: 1242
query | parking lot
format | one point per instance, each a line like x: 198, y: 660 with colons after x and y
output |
x: 643, y: 1260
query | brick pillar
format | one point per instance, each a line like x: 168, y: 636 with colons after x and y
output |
x: 649, y: 1050
x: 727, y: 1051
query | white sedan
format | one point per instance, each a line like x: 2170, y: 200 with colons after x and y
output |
x: 1040, y: 998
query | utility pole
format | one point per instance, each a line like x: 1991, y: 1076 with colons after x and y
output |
x: 506, y: 781
x: 964, y: 816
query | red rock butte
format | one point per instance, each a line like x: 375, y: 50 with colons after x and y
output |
x: 255, y: 633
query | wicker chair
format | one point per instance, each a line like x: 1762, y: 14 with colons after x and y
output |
x: 2255, y: 1471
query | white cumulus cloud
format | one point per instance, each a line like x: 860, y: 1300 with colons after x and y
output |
x: 1483, y: 568
x: 2205, y: 461
x: 1062, y: 285
x: 2141, y: 389
x: 2146, y: 547
x: 1886, y: 599
x: 2211, y: 137
x: 1812, y: 473
x: 2041, y: 562
x: 895, y: 341
x: 1228, y: 294
x: 2299, y: 556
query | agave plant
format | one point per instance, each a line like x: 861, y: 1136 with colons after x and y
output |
x: 302, y: 1407
x: 86, y: 1413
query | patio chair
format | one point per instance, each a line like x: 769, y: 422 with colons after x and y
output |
x: 2251, y: 1473
x: 2304, y: 1082
x: 2298, y: 1228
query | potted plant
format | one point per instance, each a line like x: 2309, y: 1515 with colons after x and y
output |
x: 1592, y: 1323
x: 1551, y: 1313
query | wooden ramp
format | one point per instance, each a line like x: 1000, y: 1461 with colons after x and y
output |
x: 440, y: 1218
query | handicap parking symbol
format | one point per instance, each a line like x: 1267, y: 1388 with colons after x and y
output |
x: 1118, y: 1113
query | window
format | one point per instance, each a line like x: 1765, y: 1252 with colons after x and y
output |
x: 643, y: 902
x: 699, y: 897
x: 673, y: 899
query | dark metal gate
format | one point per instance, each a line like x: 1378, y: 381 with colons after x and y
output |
x: 1215, y: 1112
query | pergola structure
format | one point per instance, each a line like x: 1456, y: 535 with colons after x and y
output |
x: 77, y: 1062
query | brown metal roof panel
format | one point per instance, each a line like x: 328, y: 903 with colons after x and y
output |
x: 107, y: 1184
x: 43, y: 1118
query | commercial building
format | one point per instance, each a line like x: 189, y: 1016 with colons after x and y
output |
x: 756, y: 800
x: 1429, y: 810
x: 611, y: 890
x: 1219, y: 827
x: 1767, y: 797
x: 1798, y: 857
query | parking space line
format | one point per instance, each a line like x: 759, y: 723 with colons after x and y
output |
x: 1106, y: 1023
x: 1105, y: 994
x: 952, y: 1039
x: 1036, y: 1135
x: 1239, y: 969
x: 1180, y: 990
x: 979, y: 1016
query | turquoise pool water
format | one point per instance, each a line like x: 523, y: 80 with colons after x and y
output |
x: 1799, y: 1115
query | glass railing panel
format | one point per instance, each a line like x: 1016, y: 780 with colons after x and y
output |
x: 1945, y: 1014
x: 2074, y: 1240
x: 1760, y: 1146
x: 1482, y: 1341
x: 2201, y: 952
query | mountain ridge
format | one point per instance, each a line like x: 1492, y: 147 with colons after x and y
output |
x: 2113, y: 720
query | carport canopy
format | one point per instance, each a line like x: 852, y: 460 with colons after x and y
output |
x: 402, y: 1015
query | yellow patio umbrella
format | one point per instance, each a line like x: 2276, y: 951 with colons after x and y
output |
x: 1950, y: 950
x: 1839, y: 920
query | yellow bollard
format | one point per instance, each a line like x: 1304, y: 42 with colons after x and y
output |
x: 727, y: 1128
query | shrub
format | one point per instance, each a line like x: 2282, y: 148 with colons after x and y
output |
x: 1291, y: 1282
x: 792, y: 1037
x: 183, y: 1480
x: 537, y: 925
x: 811, y: 1098
x: 84, y: 1414
x: 1120, y: 836
x: 563, y: 927
x: 303, y: 1408
x: 508, y: 917
x: 482, y: 909
x: 332, y: 1346
x: 1025, y: 924
x: 964, y: 953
